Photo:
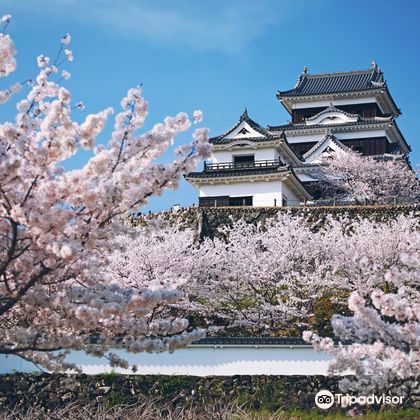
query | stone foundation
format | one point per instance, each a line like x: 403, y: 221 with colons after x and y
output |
x: 268, y: 393
x: 208, y: 220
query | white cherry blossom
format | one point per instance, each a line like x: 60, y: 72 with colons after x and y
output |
x: 59, y: 227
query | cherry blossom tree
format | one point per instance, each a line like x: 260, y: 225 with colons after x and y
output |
x: 159, y: 257
x: 282, y: 277
x: 276, y: 278
x: 368, y: 180
x: 156, y: 256
x: 380, y: 343
x: 58, y: 228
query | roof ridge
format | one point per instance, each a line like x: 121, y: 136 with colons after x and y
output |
x: 362, y: 121
x: 244, y: 117
x: 340, y: 73
x: 329, y: 135
x: 331, y: 108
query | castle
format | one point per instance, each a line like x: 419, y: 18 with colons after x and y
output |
x: 279, y: 165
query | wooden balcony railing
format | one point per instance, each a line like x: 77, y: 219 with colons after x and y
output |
x: 232, y: 166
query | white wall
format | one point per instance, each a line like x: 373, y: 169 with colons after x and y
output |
x: 264, y: 192
x: 221, y: 157
x: 335, y: 102
x: 200, y: 361
x: 294, y: 138
x: 260, y: 154
x: 305, y: 177
x: 290, y: 195
x: 360, y: 134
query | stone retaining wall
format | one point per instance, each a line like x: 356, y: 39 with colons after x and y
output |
x: 256, y: 392
x: 207, y: 220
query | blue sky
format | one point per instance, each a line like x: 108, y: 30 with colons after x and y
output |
x: 219, y: 56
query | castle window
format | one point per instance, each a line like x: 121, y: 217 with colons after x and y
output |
x: 317, y: 194
x: 244, y: 159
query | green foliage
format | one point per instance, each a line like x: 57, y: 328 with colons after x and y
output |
x: 324, y: 308
x: 269, y: 397
x: 174, y: 384
x: 109, y: 375
x: 115, y: 399
x: 408, y: 414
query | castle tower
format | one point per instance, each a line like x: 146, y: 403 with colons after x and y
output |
x: 278, y: 165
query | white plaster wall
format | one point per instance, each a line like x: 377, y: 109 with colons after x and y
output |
x: 266, y: 154
x: 294, y: 138
x: 292, y: 200
x: 260, y: 154
x: 326, y: 103
x: 305, y: 177
x: 220, y: 157
x: 360, y: 134
x: 200, y: 361
x: 264, y: 192
x: 250, y: 132
x: 333, y: 117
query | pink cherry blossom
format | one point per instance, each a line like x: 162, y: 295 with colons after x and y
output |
x: 197, y: 116
x: 367, y: 179
x: 59, y: 227
x: 66, y: 39
x: 7, y: 55
x: 69, y: 54
x: 43, y: 61
x: 380, y: 343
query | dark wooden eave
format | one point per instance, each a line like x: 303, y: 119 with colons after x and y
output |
x: 363, y: 123
x: 252, y: 341
x: 328, y: 137
x: 223, y: 139
x: 233, y: 173
x: 339, y: 83
x: 350, y: 81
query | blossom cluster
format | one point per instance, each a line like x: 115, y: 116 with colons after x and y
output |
x: 271, y: 278
x: 380, y: 343
x: 378, y: 350
x: 59, y: 227
x: 367, y: 179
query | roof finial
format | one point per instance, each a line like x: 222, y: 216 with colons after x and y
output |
x: 244, y: 114
x: 305, y: 70
x: 373, y: 65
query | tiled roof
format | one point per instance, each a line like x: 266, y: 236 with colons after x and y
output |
x: 321, y: 143
x: 253, y: 341
x: 283, y: 170
x: 236, y: 172
x: 327, y: 83
x: 221, y: 140
x: 244, y: 117
x: 303, y: 126
x: 286, y: 148
x: 331, y: 108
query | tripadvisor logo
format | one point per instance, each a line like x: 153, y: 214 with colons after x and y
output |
x: 325, y: 399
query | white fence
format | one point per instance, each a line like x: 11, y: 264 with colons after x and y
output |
x: 201, y: 360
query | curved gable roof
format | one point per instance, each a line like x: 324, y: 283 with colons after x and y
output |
x: 261, y: 133
x: 351, y: 81
x: 324, y: 144
x: 332, y: 109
